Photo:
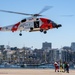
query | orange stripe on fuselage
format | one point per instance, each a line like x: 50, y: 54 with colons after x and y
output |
x: 50, y: 25
x: 45, y: 24
x: 15, y: 27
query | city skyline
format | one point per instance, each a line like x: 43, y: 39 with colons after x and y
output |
x: 59, y: 37
x: 44, y: 45
x: 46, y: 54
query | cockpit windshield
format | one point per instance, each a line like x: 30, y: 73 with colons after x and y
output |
x: 23, y: 20
x: 48, y: 21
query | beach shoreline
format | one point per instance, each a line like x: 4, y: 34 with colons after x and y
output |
x: 33, y: 72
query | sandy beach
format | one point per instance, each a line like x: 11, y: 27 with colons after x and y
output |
x: 33, y: 72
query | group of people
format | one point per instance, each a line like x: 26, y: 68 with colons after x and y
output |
x: 61, y: 67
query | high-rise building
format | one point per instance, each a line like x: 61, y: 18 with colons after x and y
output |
x: 73, y: 45
x: 46, y: 45
x: 54, y: 55
x: 66, y: 55
x: 2, y: 47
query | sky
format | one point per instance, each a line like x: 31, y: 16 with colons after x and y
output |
x: 63, y: 36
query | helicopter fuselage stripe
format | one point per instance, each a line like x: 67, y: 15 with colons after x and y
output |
x: 15, y: 27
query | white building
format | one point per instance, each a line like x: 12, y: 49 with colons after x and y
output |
x: 54, y: 55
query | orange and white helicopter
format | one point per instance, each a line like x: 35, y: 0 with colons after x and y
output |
x: 33, y: 23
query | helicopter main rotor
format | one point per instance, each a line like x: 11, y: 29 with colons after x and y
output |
x: 33, y: 15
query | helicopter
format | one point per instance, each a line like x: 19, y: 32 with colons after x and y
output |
x: 33, y: 23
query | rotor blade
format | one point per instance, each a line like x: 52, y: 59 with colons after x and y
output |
x: 45, y: 9
x: 15, y: 12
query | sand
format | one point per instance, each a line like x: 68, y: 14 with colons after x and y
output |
x: 33, y: 72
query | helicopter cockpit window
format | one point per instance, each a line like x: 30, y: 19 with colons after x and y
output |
x: 54, y: 24
x: 48, y: 21
x: 23, y: 20
x: 37, y: 19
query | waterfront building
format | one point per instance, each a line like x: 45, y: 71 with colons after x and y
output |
x: 2, y: 47
x: 47, y: 46
x: 73, y: 57
x: 66, y: 55
x: 54, y: 55
x: 73, y: 46
x: 1, y: 57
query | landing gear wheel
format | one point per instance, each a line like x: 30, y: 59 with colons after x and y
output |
x: 31, y: 29
x: 45, y: 32
x: 20, y: 34
x: 41, y: 30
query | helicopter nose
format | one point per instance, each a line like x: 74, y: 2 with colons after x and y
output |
x: 54, y: 25
x: 57, y: 26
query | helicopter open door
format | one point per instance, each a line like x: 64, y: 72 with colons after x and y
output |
x: 36, y: 24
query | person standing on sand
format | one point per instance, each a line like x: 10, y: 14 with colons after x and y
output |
x: 67, y: 67
x: 56, y: 66
x: 61, y: 67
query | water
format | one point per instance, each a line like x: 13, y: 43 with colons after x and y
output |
x: 50, y: 66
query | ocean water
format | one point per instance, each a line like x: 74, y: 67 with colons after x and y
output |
x: 45, y: 66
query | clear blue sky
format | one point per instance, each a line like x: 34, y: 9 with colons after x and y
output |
x: 59, y: 37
